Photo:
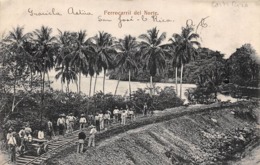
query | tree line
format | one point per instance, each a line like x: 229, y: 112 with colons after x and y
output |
x: 27, y: 58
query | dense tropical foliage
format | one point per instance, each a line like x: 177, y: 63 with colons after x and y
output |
x: 27, y: 58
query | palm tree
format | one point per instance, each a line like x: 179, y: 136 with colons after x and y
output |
x: 45, y: 52
x: 101, y: 46
x: 97, y: 69
x: 175, y: 60
x: 185, y: 49
x: 19, y: 56
x: 79, y: 59
x: 91, y: 57
x: 32, y: 66
x: 152, y: 52
x: 64, y: 50
x: 127, y: 48
x: 66, y: 73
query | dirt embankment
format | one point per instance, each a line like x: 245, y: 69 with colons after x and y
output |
x: 212, y: 136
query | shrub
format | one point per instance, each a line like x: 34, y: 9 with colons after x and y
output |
x: 201, y: 95
x: 166, y: 99
x: 138, y: 99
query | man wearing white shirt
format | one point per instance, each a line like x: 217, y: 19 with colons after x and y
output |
x: 9, y: 134
x: 91, y: 140
x: 40, y: 134
x: 106, y: 119
x: 12, y: 145
x: 131, y: 113
x: 71, y: 120
x: 115, y: 112
x: 101, y: 120
x: 61, y: 124
x: 22, y: 132
x: 82, y: 121
x: 124, y: 114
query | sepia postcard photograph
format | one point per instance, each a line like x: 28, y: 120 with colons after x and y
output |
x: 129, y: 82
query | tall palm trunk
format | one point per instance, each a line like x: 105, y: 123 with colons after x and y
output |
x: 176, y: 79
x: 165, y: 73
x: 42, y: 99
x: 129, y: 80
x: 216, y: 95
x: 43, y: 84
x: 79, y: 81
x: 181, y: 81
x: 117, y: 84
x: 77, y: 86
x: 68, y: 87
x: 48, y: 77
x: 62, y: 86
x: 95, y: 85
x: 104, y: 81
x: 90, y: 85
x: 151, y: 85
x: 14, y: 91
x: 31, y: 77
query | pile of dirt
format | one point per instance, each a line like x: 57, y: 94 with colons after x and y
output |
x: 210, y: 136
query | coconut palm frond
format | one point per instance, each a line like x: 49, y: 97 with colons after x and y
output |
x: 193, y: 36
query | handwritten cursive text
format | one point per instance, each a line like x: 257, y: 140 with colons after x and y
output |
x: 51, y: 12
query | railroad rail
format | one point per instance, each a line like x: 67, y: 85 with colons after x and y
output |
x: 55, y: 146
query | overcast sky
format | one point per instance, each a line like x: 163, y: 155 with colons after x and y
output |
x: 230, y: 24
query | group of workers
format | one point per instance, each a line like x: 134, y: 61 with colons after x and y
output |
x: 66, y: 124
x: 102, y: 121
x: 121, y: 115
x: 21, y: 139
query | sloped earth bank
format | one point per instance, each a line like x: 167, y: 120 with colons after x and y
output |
x: 252, y: 154
x: 212, y: 134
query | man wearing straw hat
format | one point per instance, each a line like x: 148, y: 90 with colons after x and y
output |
x: 9, y: 134
x: 71, y: 120
x: 61, y: 124
x: 12, y: 145
x: 115, y: 112
x: 91, y: 140
x: 82, y: 121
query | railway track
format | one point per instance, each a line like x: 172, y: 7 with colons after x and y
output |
x: 54, y: 147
